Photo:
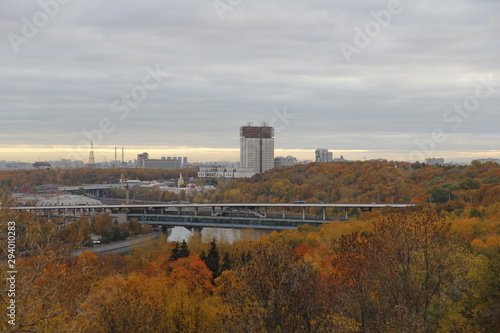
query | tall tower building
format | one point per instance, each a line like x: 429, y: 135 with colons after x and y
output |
x: 257, y: 147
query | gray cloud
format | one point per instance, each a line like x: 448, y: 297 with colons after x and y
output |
x: 264, y: 55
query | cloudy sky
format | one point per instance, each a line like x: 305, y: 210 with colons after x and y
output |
x: 366, y: 79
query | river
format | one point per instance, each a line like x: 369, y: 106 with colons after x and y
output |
x: 220, y: 234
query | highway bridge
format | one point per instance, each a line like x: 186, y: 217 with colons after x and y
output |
x: 271, y: 216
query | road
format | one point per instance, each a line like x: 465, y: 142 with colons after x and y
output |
x: 121, y: 247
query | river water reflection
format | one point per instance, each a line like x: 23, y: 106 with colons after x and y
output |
x: 220, y: 234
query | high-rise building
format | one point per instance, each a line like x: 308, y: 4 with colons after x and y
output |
x: 140, y: 160
x: 257, y: 147
x: 323, y: 155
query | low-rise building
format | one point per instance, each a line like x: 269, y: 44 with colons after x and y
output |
x: 484, y: 160
x: 339, y: 159
x: 225, y: 172
x: 169, y: 163
x: 434, y: 161
x: 284, y: 161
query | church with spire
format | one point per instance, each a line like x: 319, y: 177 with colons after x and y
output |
x: 180, y: 182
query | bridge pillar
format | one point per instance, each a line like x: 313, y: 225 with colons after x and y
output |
x: 166, y: 230
x: 179, y: 210
x: 213, y: 211
x: 324, y: 214
x: 303, y: 213
x: 265, y: 212
x: 195, y: 211
x: 195, y: 230
x: 346, y: 213
x: 284, y: 213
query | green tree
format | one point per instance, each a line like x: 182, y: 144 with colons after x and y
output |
x: 183, y: 250
x: 117, y: 233
x: 439, y: 194
x: 226, y: 262
x: 174, y: 253
x: 470, y: 184
x: 81, y: 191
x: 212, y: 259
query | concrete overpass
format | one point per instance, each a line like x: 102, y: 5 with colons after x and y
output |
x: 220, y: 215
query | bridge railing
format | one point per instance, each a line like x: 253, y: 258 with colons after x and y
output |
x: 223, y: 221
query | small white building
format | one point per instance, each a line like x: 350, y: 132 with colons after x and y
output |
x: 225, y: 172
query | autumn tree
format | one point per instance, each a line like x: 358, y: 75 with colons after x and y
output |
x: 49, y: 288
x: 134, y: 226
x: 125, y: 304
x: 399, y: 273
x: 192, y: 270
x: 273, y: 292
x: 415, y: 250
x: 141, y: 303
x: 351, y: 270
x: 103, y: 225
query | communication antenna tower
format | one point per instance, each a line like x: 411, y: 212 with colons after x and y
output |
x: 91, y: 155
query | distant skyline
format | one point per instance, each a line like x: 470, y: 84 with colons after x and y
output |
x: 402, y: 80
x: 103, y: 154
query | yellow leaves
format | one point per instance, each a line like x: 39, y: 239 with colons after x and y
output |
x: 87, y: 257
x: 49, y: 288
x: 491, y: 241
x: 102, y: 224
x: 479, y: 232
x: 140, y: 303
x: 233, y: 195
x: 189, y: 311
x: 466, y: 228
x: 273, y: 292
x: 478, y: 243
x: 124, y: 305
x: 336, y: 323
x: 331, y: 232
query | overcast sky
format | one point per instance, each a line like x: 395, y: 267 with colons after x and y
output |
x: 363, y: 78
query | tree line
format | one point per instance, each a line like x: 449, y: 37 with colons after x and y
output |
x: 409, y: 271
